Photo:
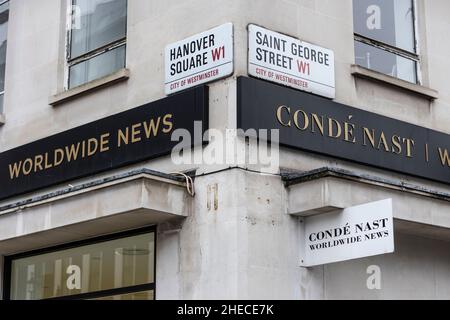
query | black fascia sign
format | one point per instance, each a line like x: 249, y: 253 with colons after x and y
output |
x: 310, y: 123
x: 122, y: 139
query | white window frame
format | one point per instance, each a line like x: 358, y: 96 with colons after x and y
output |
x: 69, y: 62
x: 398, y: 51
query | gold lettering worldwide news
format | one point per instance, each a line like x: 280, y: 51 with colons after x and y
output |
x: 137, y: 134
x: 86, y: 148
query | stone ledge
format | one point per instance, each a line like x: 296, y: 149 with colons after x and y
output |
x: 365, y: 73
x: 327, y: 190
x: 129, y: 203
x: 65, y: 96
x: 6, y: 206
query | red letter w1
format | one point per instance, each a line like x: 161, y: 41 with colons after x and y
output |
x: 303, y: 67
x: 218, y: 52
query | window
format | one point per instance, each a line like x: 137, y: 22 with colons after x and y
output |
x: 120, y: 267
x: 4, y: 17
x: 97, y: 40
x: 385, y: 37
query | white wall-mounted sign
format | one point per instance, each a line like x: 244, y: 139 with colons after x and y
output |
x: 199, y: 59
x: 357, y: 232
x: 288, y: 61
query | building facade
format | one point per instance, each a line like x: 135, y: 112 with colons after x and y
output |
x: 127, y: 224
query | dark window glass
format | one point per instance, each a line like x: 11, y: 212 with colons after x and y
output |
x: 97, y: 67
x: 101, y: 22
x: 388, y: 21
x: 385, y: 62
x: 144, y: 295
x: 100, y: 267
x: 4, y: 17
x: 385, y: 37
x: 98, y: 39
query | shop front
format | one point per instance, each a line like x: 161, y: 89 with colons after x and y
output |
x: 62, y: 192
x: 116, y: 267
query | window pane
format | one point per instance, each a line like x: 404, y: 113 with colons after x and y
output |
x: 4, y: 16
x: 103, y: 266
x: 101, y: 22
x: 2, y: 99
x: 388, y: 21
x: 385, y: 62
x: 144, y: 295
x: 97, y: 67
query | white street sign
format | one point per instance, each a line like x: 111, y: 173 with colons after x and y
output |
x: 199, y: 59
x: 290, y: 62
x: 357, y: 232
